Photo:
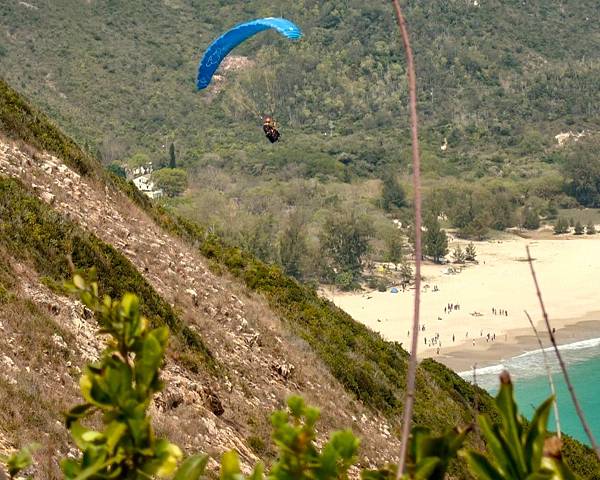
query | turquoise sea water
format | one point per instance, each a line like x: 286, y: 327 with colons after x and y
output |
x: 529, y: 375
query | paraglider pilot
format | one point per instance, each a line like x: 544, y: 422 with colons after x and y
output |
x: 270, y: 129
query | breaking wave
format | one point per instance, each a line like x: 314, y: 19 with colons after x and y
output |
x: 531, y: 364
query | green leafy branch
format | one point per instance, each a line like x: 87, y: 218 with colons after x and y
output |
x: 120, y: 387
x: 18, y: 461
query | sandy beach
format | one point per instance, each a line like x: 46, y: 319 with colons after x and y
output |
x: 568, y: 270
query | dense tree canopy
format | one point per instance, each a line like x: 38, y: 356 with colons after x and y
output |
x: 392, y: 194
x: 345, y: 241
x: 582, y: 171
x: 435, y: 240
x: 173, y: 181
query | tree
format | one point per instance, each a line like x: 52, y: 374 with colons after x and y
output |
x: 292, y: 246
x: 406, y: 275
x: 345, y: 242
x: 392, y: 194
x: 571, y: 222
x: 478, y: 227
x: 138, y: 160
x: 472, y: 213
x: 117, y: 169
x: 470, y: 252
x: 257, y: 237
x: 435, y: 241
x: 561, y: 226
x: 578, y: 228
x: 500, y: 206
x: 111, y: 149
x: 394, y: 247
x: 531, y: 219
x: 582, y: 172
x: 172, y: 159
x: 590, y: 229
x: 173, y: 181
x: 459, y: 255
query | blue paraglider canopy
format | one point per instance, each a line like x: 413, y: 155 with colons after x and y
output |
x: 221, y: 47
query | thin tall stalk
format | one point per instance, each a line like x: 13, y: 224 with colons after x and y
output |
x: 412, y: 363
x: 549, y: 372
x: 563, y: 367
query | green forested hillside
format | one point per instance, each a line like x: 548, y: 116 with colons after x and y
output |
x: 497, y: 81
x: 501, y: 75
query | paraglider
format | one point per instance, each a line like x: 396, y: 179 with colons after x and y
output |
x: 221, y: 47
x: 270, y: 129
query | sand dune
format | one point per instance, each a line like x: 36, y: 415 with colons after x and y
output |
x: 569, y: 273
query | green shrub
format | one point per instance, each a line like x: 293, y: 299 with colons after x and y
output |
x: 21, y: 121
x: 517, y: 451
x: 590, y: 228
x: 257, y: 445
x: 120, y: 386
x: 561, y: 226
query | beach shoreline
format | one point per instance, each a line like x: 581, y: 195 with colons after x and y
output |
x: 477, y: 316
x: 461, y: 359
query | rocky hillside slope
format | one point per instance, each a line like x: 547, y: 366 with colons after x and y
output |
x: 244, y: 336
x: 257, y: 363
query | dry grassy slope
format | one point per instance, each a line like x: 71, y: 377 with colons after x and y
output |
x: 252, y: 348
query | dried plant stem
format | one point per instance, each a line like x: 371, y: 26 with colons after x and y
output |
x: 584, y: 423
x: 412, y: 363
x: 549, y: 372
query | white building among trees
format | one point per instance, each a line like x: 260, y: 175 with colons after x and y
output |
x: 142, y: 178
